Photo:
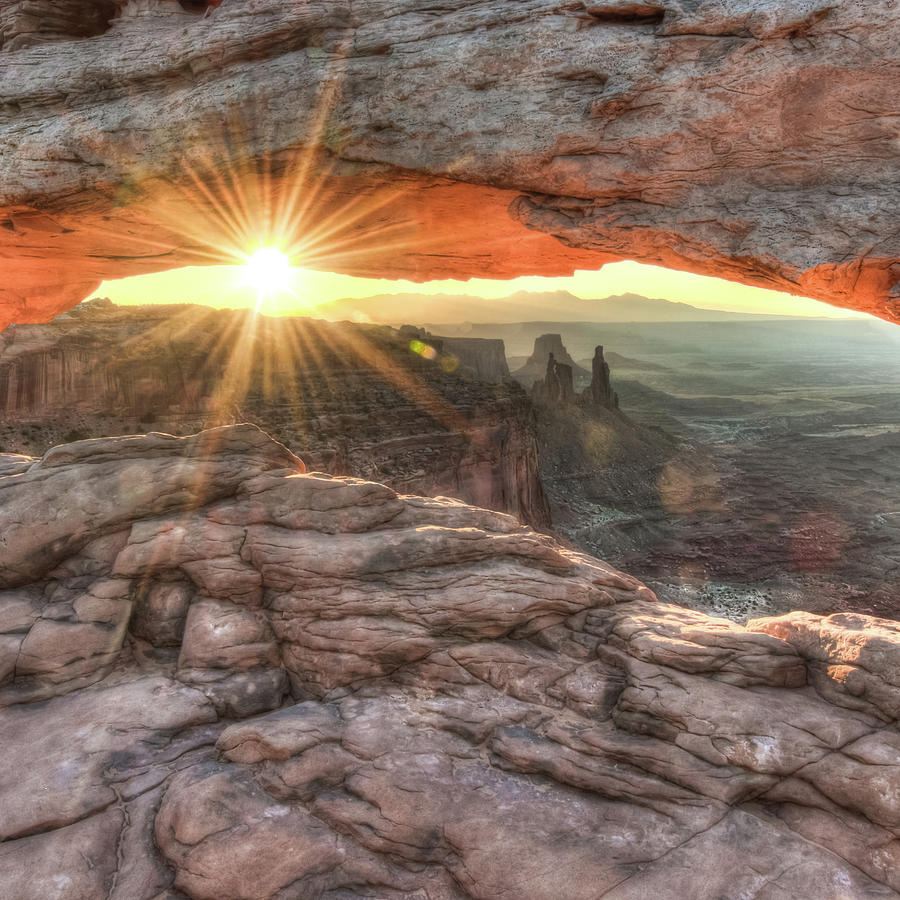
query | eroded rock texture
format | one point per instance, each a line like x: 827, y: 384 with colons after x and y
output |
x: 226, y: 678
x: 750, y: 139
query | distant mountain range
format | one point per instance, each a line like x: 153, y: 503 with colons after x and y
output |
x: 524, y: 306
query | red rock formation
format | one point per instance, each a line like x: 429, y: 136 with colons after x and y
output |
x: 247, y: 682
x: 484, y: 358
x: 557, y: 385
x: 719, y: 137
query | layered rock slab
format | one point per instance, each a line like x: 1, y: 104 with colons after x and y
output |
x: 326, y: 689
x: 748, y: 139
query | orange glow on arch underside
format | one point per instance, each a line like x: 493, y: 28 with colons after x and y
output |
x: 252, y: 228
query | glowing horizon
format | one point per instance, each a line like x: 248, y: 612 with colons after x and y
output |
x: 291, y: 291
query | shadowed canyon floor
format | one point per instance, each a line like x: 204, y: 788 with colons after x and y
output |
x: 761, y: 480
x: 246, y: 681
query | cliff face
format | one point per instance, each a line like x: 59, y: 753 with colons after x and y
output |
x: 27, y: 23
x: 352, y: 399
x: 30, y: 23
x: 249, y: 682
x: 721, y: 137
x: 480, y: 359
x: 87, y: 364
x: 483, y: 357
x: 536, y: 366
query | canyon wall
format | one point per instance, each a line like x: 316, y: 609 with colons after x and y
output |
x: 353, y: 399
x: 29, y: 23
x: 483, y: 357
x: 245, y: 681
x: 749, y: 139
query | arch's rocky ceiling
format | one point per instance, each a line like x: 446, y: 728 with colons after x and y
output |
x: 748, y: 139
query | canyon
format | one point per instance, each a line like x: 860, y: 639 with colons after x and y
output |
x: 742, y: 477
x: 249, y: 679
x: 750, y: 471
x: 351, y: 399
x: 246, y: 680
x: 749, y: 139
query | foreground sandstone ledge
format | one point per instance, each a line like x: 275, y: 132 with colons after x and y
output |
x: 754, y: 140
x: 225, y: 678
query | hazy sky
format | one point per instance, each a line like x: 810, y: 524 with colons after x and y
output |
x: 225, y: 286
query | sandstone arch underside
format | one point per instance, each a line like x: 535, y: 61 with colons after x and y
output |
x: 753, y: 140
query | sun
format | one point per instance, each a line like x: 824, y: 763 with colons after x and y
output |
x: 268, y: 271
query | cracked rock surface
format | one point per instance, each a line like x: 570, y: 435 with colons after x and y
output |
x: 753, y: 140
x: 224, y: 677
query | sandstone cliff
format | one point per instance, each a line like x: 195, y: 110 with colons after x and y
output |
x: 749, y: 139
x: 484, y: 358
x: 481, y: 359
x: 352, y: 399
x: 535, y: 367
x: 243, y: 681
x: 557, y: 385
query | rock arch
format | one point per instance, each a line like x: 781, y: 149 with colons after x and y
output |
x: 751, y: 140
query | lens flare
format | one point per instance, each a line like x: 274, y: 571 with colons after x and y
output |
x: 423, y: 349
x: 268, y: 271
